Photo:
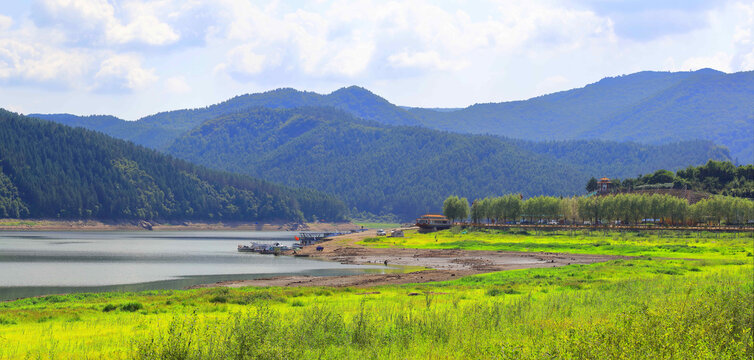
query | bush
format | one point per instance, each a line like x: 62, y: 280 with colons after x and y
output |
x: 131, y: 307
x: 218, y: 299
x: 493, y: 292
x: 109, y: 308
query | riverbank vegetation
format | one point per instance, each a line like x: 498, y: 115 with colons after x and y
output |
x: 611, y: 209
x: 643, y: 307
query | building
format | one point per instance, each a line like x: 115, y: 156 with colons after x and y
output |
x: 432, y: 222
x: 604, y: 186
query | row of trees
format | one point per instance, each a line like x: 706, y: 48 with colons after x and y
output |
x: 623, y: 208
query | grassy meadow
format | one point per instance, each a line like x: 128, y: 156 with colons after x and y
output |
x: 683, y: 296
x: 671, y: 244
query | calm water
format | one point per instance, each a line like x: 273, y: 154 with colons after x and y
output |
x: 39, y: 263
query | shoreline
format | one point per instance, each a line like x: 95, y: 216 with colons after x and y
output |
x: 95, y: 225
x: 440, y: 265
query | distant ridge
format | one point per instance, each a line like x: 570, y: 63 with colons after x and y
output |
x: 646, y: 107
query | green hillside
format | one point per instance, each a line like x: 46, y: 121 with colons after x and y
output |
x: 54, y: 171
x: 159, y: 130
x: 705, y: 105
x: 648, y: 107
x: 405, y: 170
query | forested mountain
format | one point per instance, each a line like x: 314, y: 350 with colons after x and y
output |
x: 607, y: 158
x: 646, y: 107
x: 407, y: 170
x: 649, y: 107
x: 49, y: 170
x: 159, y: 130
x: 141, y: 133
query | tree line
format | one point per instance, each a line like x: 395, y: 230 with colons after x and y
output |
x: 620, y: 208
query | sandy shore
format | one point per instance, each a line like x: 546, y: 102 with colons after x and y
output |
x: 443, y: 264
x: 92, y: 225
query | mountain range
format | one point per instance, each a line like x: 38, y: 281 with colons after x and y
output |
x: 406, y: 170
x: 387, y: 159
x: 645, y: 107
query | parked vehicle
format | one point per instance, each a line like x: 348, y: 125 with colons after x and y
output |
x: 381, y: 232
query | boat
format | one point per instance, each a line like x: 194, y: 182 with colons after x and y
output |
x: 277, y: 248
x: 246, y: 248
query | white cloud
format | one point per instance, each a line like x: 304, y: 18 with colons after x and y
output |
x: 426, y: 59
x: 244, y: 61
x: 177, y: 85
x: 744, y: 38
x: 348, y: 39
x: 5, y: 22
x: 123, y: 73
x: 552, y: 84
x: 36, y: 63
x: 720, y: 61
x: 98, y: 23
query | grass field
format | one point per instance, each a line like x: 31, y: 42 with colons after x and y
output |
x: 649, y: 307
x: 671, y: 244
x: 377, y: 225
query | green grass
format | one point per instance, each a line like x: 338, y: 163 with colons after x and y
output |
x: 377, y: 225
x: 654, y: 244
x: 646, y: 307
x: 18, y: 223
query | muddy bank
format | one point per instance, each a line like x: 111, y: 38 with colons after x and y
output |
x: 442, y: 264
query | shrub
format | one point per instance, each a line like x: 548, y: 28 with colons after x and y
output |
x: 109, y: 308
x: 218, y: 299
x: 131, y: 307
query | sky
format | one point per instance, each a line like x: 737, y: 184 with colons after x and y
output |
x: 133, y: 58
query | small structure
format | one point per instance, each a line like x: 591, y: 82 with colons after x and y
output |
x: 603, y: 186
x: 432, y: 222
x: 396, y: 233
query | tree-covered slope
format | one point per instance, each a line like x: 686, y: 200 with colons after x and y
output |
x: 649, y: 107
x: 159, y: 130
x: 151, y: 135
x: 610, y: 158
x: 55, y: 171
x: 401, y: 170
x: 554, y: 116
x: 705, y: 105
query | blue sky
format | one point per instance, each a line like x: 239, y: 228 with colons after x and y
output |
x: 134, y: 58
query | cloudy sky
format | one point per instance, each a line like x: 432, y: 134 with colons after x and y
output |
x: 132, y: 58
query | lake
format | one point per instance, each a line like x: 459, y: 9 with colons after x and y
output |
x: 41, y: 263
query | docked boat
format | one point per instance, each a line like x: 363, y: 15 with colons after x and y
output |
x: 277, y: 248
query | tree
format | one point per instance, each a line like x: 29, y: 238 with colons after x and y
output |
x: 455, y: 208
x: 591, y: 185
